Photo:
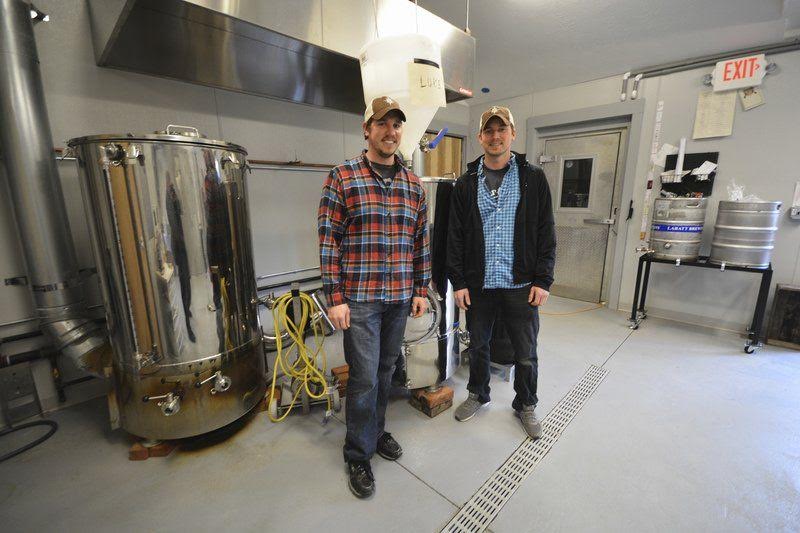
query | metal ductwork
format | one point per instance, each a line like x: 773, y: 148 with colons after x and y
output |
x: 36, y: 195
x: 304, y: 52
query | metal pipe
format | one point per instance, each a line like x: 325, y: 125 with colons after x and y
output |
x: 436, y: 179
x: 278, y: 274
x: 418, y: 162
x: 706, y: 61
x: 36, y: 195
x: 290, y: 168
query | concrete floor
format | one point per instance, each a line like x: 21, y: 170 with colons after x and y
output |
x: 686, y: 433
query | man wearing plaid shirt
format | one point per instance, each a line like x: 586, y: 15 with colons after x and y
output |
x: 500, y: 259
x: 376, y: 266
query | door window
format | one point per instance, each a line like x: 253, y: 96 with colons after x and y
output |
x: 575, y: 182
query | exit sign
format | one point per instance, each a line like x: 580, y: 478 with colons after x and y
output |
x: 739, y: 73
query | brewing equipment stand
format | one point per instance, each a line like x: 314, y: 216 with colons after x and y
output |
x: 755, y: 337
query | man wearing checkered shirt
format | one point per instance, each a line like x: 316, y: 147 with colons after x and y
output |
x: 376, y: 266
x: 500, y: 260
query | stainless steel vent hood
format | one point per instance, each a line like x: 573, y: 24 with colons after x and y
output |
x: 304, y: 51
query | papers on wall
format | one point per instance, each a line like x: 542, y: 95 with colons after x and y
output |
x: 671, y: 176
x: 751, y: 97
x: 705, y: 169
x: 715, y: 112
x: 660, y: 158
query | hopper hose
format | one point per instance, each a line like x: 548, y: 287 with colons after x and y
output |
x: 306, y: 369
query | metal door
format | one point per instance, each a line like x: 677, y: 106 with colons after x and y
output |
x: 582, y: 173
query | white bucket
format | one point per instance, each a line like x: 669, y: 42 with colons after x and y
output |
x: 408, y: 69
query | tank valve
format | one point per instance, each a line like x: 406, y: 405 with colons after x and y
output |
x: 221, y: 383
x: 113, y: 154
x: 170, y: 405
x: 463, y: 336
x: 170, y: 402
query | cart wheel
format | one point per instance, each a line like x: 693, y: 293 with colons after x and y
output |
x: 748, y: 349
x: 336, y: 400
x: 634, y: 326
x: 273, y: 408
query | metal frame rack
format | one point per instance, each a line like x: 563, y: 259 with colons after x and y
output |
x: 756, y: 334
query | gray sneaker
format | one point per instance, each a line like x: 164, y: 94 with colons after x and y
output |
x: 529, y: 421
x: 468, y: 408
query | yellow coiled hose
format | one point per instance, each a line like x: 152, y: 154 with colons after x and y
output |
x: 304, y: 369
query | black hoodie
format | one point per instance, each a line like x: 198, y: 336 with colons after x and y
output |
x: 534, y: 230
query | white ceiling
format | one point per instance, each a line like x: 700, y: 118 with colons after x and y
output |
x: 525, y: 46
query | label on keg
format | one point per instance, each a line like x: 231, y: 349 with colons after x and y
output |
x: 678, y: 228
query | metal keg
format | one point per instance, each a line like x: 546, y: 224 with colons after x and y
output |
x: 169, y: 223
x: 744, y: 234
x: 677, y: 227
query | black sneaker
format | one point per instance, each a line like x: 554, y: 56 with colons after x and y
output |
x: 388, y: 447
x: 360, y: 479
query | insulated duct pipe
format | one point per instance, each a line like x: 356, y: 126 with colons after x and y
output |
x: 38, y: 203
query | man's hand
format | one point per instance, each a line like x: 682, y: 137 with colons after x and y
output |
x: 538, y: 296
x: 418, y: 306
x: 462, y: 299
x: 340, y: 316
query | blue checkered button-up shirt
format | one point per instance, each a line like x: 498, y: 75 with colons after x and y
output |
x: 497, y: 214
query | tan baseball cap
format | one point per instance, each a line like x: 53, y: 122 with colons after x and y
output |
x: 381, y: 105
x: 503, y: 113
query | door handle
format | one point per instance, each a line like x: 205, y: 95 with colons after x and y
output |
x: 600, y: 221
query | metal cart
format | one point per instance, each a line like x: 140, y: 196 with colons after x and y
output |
x: 755, y: 338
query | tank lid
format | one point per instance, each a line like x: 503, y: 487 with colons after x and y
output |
x: 158, y: 137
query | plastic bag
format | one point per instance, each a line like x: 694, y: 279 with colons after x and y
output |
x: 736, y: 194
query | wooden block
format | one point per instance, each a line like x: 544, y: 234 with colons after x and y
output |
x: 342, y: 374
x: 163, y: 448
x: 432, y: 403
x: 137, y: 452
x: 264, y: 406
x: 336, y: 371
x: 140, y: 452
x: 343, y: 385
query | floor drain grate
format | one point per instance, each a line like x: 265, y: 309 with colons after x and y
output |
x: 483, y: 507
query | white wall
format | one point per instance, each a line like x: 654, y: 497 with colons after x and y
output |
x: 84, y: 99
x: 761, y: 154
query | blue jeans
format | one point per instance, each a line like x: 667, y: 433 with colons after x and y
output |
x: 372, y: 346
x: 522, y: 324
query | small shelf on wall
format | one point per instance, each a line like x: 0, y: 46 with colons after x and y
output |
x: 690, y: 185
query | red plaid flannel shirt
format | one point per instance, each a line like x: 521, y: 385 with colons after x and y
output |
x: 373, y: 237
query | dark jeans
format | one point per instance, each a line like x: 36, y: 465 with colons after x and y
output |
x: 522, y: 323
x: 371, y: 347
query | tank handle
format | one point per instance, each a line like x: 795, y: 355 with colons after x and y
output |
x: 175, y: 129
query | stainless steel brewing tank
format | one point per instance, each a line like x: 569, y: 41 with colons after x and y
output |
x: 430, y: 343
x: 744, y: 234
x: 170, y: 230
x: 677, y: 227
